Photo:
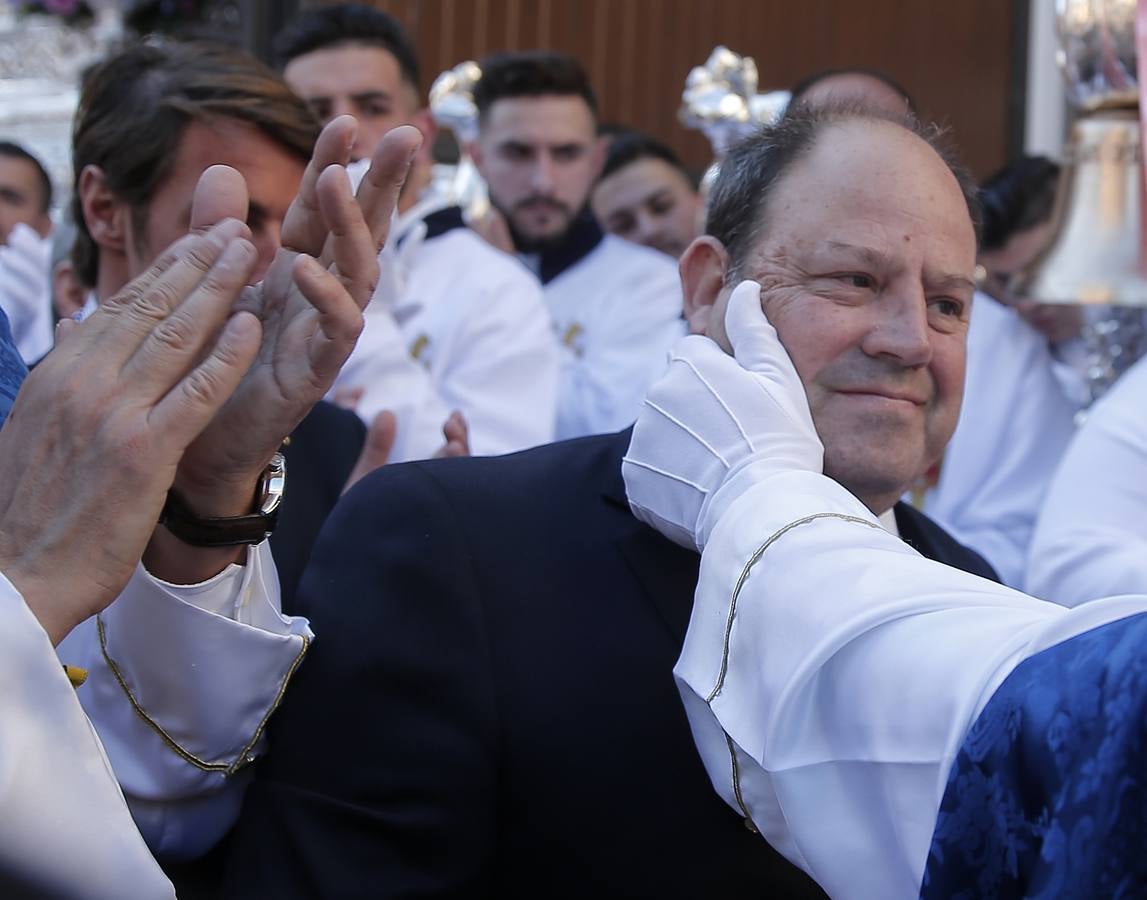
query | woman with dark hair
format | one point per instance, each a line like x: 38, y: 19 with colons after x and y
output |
x: 1017, y: 204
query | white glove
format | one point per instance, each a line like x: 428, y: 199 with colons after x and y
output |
x: 714, y: 423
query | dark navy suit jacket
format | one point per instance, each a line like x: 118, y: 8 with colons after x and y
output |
x: 489, y: 710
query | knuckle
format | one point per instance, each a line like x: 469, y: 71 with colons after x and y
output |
x: 155, y: 303
x: 202, y: 386
x: 200, y: 256
x: 176, y: 332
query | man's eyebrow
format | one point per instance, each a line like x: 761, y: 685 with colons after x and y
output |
x: 870, y: 255
x: 876, y: 258
x: 366, y: 96
x: 950, y: 282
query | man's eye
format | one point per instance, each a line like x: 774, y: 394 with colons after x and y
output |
x: 859, y: 280
x: 321, y: 109
x: 948, y: 307
x: 661, y: 206
x: 375, y: 109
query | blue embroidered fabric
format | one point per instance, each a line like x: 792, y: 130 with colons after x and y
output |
x: 12, y: 368
x: 1048, y: 795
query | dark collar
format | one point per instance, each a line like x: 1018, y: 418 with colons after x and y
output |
x: 443, y: 220
x: 582, y: 238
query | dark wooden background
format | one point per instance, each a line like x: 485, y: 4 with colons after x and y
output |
x: 962, y: 60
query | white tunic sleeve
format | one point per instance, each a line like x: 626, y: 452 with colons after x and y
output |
x: 1091, y: 537
x: 830, y: 674
x: 181, y: 684
x: 66, y: 831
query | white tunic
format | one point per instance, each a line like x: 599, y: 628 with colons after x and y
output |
x: 181, y: 684
x: 1014, y: 427
x: 468, y: 331
x: 1091, y: 537
x: 65, y: 830
x: 26, y: 290
x: 617, y: 312
x: 830, y: 674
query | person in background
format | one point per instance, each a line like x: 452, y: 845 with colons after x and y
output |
x: 615, y: 307
x: 1089, y: 539
x: 168, y: 139
x: 1017, y: 418
x: 454, y: 324
x: 645, y: 195
x: 25, y: 246
x: 870, y: 87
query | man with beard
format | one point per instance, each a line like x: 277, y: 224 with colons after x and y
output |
x: 469, y: 323
x: 615, y: 307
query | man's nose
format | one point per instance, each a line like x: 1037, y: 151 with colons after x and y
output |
x: 646, y: 229
x: 899, y: 328
x: 542, y: 179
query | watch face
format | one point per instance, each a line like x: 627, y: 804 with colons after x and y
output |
x: 274, y: 483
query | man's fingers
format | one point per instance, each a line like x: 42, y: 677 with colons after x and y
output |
x: 221, y: 193
x: 121, y: 323
x: 378, y: 194
x: 376, y: 450
x: 303, y: 228
x: 350, y: 246
x: 177, y: 342
x: 339, y: 318
x: 191, y: 404
x: 457, y: 434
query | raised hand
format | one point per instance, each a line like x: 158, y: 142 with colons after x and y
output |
x: 713, y: 418
x: 98, y: 429
x: 310, y: 304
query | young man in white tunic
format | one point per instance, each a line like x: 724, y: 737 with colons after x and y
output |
x: 455, y: 324
x: 616, y: 307
x: 830, y: 673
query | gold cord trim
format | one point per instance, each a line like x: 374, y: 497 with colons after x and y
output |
x: 753, y: 560
x: 244, y: 758
x: 749, y: 823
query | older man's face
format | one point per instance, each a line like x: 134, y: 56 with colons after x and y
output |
x: 865, y: 265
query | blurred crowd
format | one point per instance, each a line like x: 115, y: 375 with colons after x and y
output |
x: 332, y: 564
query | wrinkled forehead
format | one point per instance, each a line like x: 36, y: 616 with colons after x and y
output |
x: 864, y: 182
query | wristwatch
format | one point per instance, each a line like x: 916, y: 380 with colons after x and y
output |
x: 230, y: 531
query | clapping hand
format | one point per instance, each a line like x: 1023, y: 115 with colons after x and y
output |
x: 98, y: 429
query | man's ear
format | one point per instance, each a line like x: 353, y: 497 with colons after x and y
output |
x: 599, y: 149
x: 424, y: 122
x: 105, y: 214
x: 702, y: 268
